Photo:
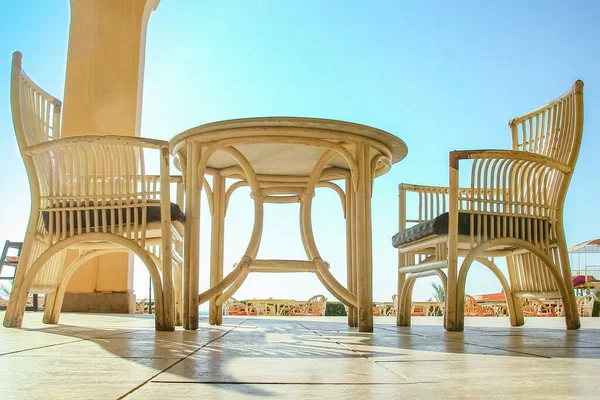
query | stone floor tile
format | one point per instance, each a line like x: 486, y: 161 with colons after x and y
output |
x: 68, y: 378
x: 108, y: 356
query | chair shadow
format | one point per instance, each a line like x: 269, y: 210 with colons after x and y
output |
x: 209, y: 352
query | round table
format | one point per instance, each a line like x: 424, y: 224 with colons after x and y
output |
x: 282, y: 160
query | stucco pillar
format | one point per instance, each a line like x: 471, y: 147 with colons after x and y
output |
x: 103, y: 95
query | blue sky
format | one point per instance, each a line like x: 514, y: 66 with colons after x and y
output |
x: 440, y: 75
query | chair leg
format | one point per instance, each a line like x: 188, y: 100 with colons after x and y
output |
x: 404, y: 304
x: 178, y: 298
x: 515, y: 308
x: 164, y: 293
x: 399, y: 318
x: 571, y: 309
x: 54, y: 302
x: 161, y: 322
x: 571, y: 317
x: 454, y: 320
x: 13, y: 318
x: 455, y: 300
x: 168, y: 309
x: 455, y: 316
x: 159, y: 318
x: 50, y: 317
x: 515, y: 311
x: 459, y: 318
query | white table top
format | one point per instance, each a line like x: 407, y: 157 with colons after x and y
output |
x: 276, y: 158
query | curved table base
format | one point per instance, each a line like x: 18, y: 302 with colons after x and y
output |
x: 356, y: 204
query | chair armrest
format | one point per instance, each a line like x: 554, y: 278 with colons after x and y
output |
x: 97, y: 139
x: 431, y: 200
x: 409, y: 187
x: 440, y: 190
x: 457, y: 155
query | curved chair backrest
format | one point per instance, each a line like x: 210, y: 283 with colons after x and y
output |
x: 36, y: 113
x: 553, y: 130
x: 316, y: 304
x: 586, y: 305
x: 470, y: 301
x: 36, y: 119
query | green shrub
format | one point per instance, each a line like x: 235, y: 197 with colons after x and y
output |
x: 335, y: 309
x: 596, y: 310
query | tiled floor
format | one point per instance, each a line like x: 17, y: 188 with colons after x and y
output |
x: 108, y: 356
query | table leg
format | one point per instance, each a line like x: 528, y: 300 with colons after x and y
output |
x: 179, y: 271
x: 215, y: 313
x: 350, y: 249
x: 364, y: 256
x: 308, y: 239
x: 166, y: 251
x: 192, y: 238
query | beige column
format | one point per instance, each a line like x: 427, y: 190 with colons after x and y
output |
x: 103, y: 95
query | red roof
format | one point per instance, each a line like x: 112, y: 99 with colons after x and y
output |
x: 490, y: 297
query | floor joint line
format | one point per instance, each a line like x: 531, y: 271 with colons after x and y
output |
x: 475, y: 344
x: 69, y: 342
x: 356, y: 352
x: 180, y: 360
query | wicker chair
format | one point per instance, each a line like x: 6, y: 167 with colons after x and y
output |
x: 474, y: 309
x: 91, y: 194
x: 533, y: 307
x: 512, y: 208
x: 585, y: 305
x: 315, y: 306
x: 234, y: 307
x: 417, y: 310
x: 140, y: 306
x: 393, y: 309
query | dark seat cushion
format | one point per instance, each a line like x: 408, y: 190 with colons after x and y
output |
x: 153, y: 214
x: 439, y: 226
